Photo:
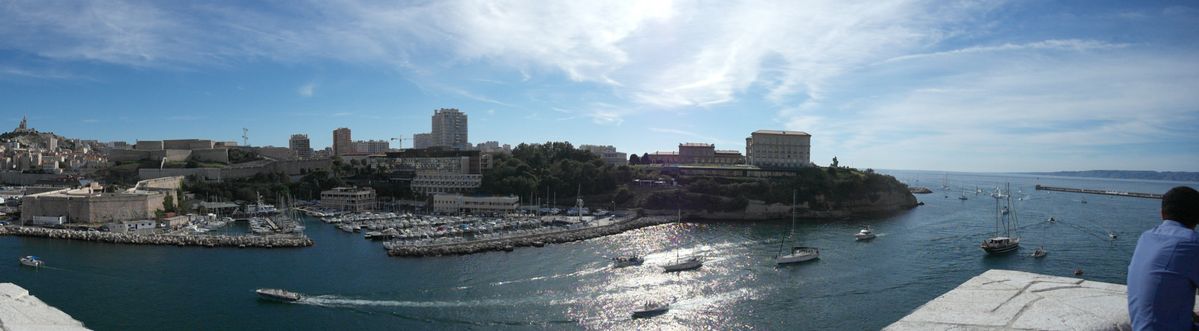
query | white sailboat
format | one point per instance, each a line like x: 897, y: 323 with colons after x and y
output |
x: 1004, y: 240
x: 798, y: 253
x: 680, y: 264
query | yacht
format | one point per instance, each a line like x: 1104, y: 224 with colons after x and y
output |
x: 1003, y: 241
x: 651, y: 309
x: 690, y: 263
x: 627, y: 261
x: 32, y: 261
x: 865, y: 234
x: 277, y: 294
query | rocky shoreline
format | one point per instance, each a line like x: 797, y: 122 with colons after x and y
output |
x: 276, y: 241
x: 531, y: 240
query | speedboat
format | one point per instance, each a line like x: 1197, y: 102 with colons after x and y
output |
x: 1039, y: 253
x: 799, y: 254
x: 279, y: 295
x: 32, y: 261
x: 690, y: 263
x: 651, y: 309
x: 999, y: 245
x: 627, y: 261
x: 865, y: 234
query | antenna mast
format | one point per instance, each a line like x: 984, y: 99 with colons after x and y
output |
x: 245, y: 137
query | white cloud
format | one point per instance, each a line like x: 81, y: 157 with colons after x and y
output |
x: 307, y: 90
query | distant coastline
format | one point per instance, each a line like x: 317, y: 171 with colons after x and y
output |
x: 1181, y: 176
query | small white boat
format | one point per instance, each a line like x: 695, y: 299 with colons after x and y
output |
x: 690, y: 263
x: 32, y: 261
x: 865, y: 234
x: 651, y: 309
x: 277, y: 294
x: 1039, y: 253
x: 799, y: 254
x: 627, y: 261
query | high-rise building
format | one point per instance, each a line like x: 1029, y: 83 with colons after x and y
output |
x: 342, y: 143
x: 372, y: 146
x: 778, y: 149
x: 449, y: 128
x: 422, y: 140
x: 300, y: 145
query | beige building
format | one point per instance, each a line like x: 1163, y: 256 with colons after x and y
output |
x: 300, y: 145
x: 434, y: 182
x: 608, y: 153
x: 696, y: 153
x: 776, y: 149
x: 349, y: 199
x: 456, y: 203
x: 342, y: 143
x: 91, y: 205
x: 449, y: 129
x: 422, y: 140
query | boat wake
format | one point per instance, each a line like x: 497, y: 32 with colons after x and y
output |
x: 583, y: 272
x: 339, y: 301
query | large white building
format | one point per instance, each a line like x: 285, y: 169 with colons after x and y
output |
x: 776, y: 149
x: 348, y: 198
x: 434, y: 182
x: 456, y: 203
x: 449, y: 128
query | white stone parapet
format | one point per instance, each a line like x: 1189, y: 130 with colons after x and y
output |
x: 21, y: 311
x: 1014, y: 300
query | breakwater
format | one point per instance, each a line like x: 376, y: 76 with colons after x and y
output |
x: 500, y: 244
x: 1100, y: 192
x: 274, y: 241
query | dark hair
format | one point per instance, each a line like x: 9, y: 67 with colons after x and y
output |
x: 1181, y: 204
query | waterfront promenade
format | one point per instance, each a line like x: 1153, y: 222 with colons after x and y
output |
x: 272, y: 241
x: 504, y: 243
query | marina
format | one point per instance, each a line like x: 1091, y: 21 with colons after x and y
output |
x: 346, y: 282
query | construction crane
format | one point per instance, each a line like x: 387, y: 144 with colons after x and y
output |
x: 245, y: 137
x: 401, y: 140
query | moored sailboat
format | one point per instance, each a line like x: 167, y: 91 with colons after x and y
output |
x: 1004, y: 240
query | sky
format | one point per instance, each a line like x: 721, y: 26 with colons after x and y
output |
x: 931, y: 85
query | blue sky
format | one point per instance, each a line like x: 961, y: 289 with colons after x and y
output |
x: 939, y: 85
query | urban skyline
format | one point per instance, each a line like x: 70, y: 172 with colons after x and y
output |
x: 1002, y: 86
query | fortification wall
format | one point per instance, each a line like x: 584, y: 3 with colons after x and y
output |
x: 219, y: 155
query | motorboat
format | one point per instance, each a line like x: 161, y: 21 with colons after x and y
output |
x: 865, y: 234
x: 627, y: 261
x: 799, y: 254
x: 651, y: 309
x: 1039, y: 253
x: 690, y: 263
x: 278, y: 295
x: 32, y: 261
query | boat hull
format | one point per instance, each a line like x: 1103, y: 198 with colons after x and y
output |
x: 1003, y: 249
x: 278, y: 295
x: 864, y: 237
x: 649, y: 313
x: 689, y: 265
x: 789, y: 259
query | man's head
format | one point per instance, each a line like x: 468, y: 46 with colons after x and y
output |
x: 1181, y: 204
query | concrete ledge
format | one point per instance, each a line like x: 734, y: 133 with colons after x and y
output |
x: 1014, y: 300
x: 21, y: 311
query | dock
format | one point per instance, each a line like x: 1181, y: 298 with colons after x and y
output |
x: 1099, y: 192
x: 498, y: 244
x: 203, y: 240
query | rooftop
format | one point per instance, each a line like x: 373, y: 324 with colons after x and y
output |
x: 695, y: 145
x: 1014, y: 300
x: 782, y: 133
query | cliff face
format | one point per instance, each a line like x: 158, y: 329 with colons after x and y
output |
x: 877, y: 204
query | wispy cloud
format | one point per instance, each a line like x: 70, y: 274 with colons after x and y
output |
x: 306, y: 90
x: 689, y: 134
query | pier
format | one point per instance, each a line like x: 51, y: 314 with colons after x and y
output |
x: 507, y: 243
x: 272, y: 241
x: 1099, y: 192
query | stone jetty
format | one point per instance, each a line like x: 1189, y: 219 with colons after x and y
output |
x: 273, y: 241
x: 501, y: 244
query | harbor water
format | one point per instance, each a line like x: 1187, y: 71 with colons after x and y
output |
x: 351, y: 283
